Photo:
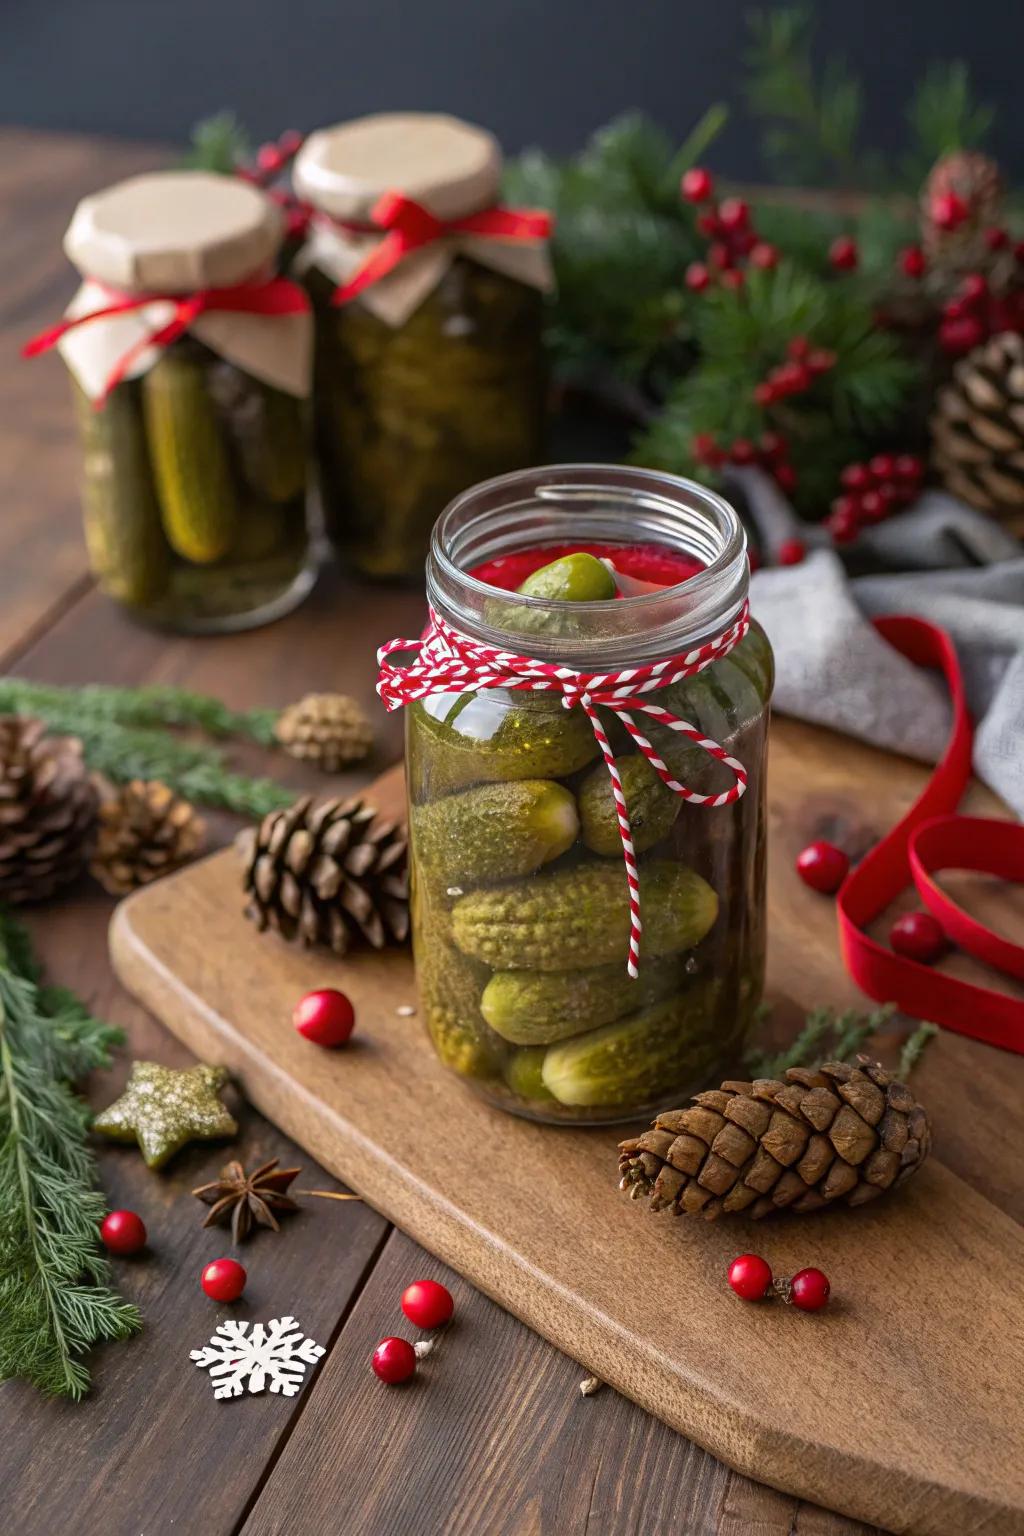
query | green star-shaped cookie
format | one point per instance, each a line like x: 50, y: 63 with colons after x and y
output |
x: 163, y: 1109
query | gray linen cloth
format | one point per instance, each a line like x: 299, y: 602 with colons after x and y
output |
x: 940, y: 561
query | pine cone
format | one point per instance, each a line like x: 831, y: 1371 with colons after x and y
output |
x: 841, y: 1135
x: 145, y: 831
x: 47, y: 810
x: 978, y: 429
x: 328, y: 729
x: 324, y: 874
x: 977, y: 180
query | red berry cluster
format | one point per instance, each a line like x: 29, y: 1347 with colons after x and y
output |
x: 974, y: 313
x: 872, y: 491
x: 770, y: 453
x: 803, y: 365
x: 732, y: 236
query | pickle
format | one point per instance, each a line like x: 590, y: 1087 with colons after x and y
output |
x: 538, y: 1008
x: 495, y: 831
x: 580, y: 917
x: 654, y: 1052
x: 524, y: 1073
x: 189, y: 457
x: 126, y: 544
x: 652, y: 807
x: 469, y: 738
x: 260, y: 534
x: 578, y: 578
x: 450, y: 988
x: 267, y: 430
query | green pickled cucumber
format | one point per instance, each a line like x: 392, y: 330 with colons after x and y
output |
x: 126, y: 544
x: 579, y: 578
x: 524, y: 1074
x: 271, y: 445
x: 652, y: 806
x: 540, y: 1007
x: 580, y: 917
x: 476, y: 739
x: 451, y: 985
x: 189, y: 458
x: 495, y: 831
x: 639, y: 1059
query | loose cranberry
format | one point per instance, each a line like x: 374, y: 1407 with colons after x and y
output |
x: 750, y: 1276
x: 123, y: 1232
x: 809, y: 1290
x: 223, y: 1280
x: 427, y: 1303
x: 823, y: 867
x: 394, y: 1361
x: 918, y: 936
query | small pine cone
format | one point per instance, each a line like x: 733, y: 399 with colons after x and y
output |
x: 977, y: 429
x: 47, y: 810
x: 328, y: 873
x: 839, y: 1135
x: 977, y: 180
x: 145, y: 831
x: 328, y: 729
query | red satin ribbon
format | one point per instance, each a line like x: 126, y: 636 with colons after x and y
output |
x: 930, y: 837
x: 409, y: 227
x: 271, y: 296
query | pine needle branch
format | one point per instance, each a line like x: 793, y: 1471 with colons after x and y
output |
x: 153, y: 706
x: 218, y: 143
x: 913, y: 1048
x: 826, y: 1036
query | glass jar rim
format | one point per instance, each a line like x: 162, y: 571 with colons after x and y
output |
x: 532, y: 507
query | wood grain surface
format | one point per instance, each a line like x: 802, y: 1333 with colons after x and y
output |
x: 503, y: 1445
x: 891, y: 1430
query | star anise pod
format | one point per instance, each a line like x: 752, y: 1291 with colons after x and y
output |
x: 248, y: 1197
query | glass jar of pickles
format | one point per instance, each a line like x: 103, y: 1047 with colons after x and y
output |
x: 191, y: 367
x: 429, y: 370
x: 522, y: 910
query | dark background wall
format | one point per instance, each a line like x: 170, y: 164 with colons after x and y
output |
x: 536, y: 71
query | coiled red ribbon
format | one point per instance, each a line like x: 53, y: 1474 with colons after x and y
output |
x: 451, y: 662
x: 408, y: 227
x: 930, y: 838
x: 269, y: 296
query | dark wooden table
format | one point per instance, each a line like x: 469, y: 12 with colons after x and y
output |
x: 500, y: 1442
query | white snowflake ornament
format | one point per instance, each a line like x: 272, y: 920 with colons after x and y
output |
x: 277, y: 1352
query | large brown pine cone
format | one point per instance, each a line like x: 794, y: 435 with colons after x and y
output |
x: 328, y: 873
x: 328, y: 729
x: 978, y: 429
x: 145, y: 831
x: 839, y: 1135
x: 47, y: 810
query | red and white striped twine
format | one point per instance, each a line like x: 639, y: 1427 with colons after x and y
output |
x: 451, y: 662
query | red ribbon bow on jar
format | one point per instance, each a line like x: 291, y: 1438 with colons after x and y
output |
x: 270, y: 296
x: 409, y: 227
x: 450, y: 662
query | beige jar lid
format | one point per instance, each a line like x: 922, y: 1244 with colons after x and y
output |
x: 173, y: 232
x: 449, y: 166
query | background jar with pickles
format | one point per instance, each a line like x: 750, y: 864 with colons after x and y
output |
x: 520, y: 902
x: 196, y: 463
x: 432, y: 377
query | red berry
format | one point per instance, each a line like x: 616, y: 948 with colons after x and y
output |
x: 1018, y: 251
x: 791, y: 378
x: 706, y: 450
x: 326, y: 1017
x: 843, y: 254
x: 734, y: 213
x: 223, y: 1280
x: 797, y: 348
x: 750, y: 1277
x: 948, y: 211
x: 882, y: 466
x: 823, y: 867
x: 996, y: 239
x: 394, y: 1360
x: 773, y: 447
x: 843, y: 523
x: 290, y: 141
x: 913, y: 261
x: 697, y: 185
x: 918, y: 936
x: 855, y: 477
x: 269, y: 157
x: 732, y: 279
x: 792, y: 551
x: 785, y: 478
x: 764, y: 255
x: 974, y: 288
x: 708, y: 223
x: 719, y: 255
x: 697, y: 276
x: 959, y: 336
x: 123, y: 1232
x: 809, y: 1290
x: 741, y: 240
x: 742, y: 451
x: 907, y: 467
x: 873, y: 506
x: 427, y: 1303
x: 764, y: 393
x: 820, y: 360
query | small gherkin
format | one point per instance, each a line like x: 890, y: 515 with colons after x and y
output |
x: 838, y: 1135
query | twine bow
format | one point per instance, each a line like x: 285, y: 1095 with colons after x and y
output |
x: 451, y: 662
x: 271, y: 296
x: 408, y: 226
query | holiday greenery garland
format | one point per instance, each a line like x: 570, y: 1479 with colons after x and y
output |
x: 55, y: 1302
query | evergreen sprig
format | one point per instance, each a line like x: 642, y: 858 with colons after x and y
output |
x: 147, y: 707
x: 55, y: 1300
x: 826, y: 1036
x: 219, y: 143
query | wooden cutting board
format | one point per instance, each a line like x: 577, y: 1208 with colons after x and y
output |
x: 902, y: 1404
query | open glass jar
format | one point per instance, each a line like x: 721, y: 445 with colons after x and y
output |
x: 521, y: 916
x: 431, y: 377
x: 195, y: 449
